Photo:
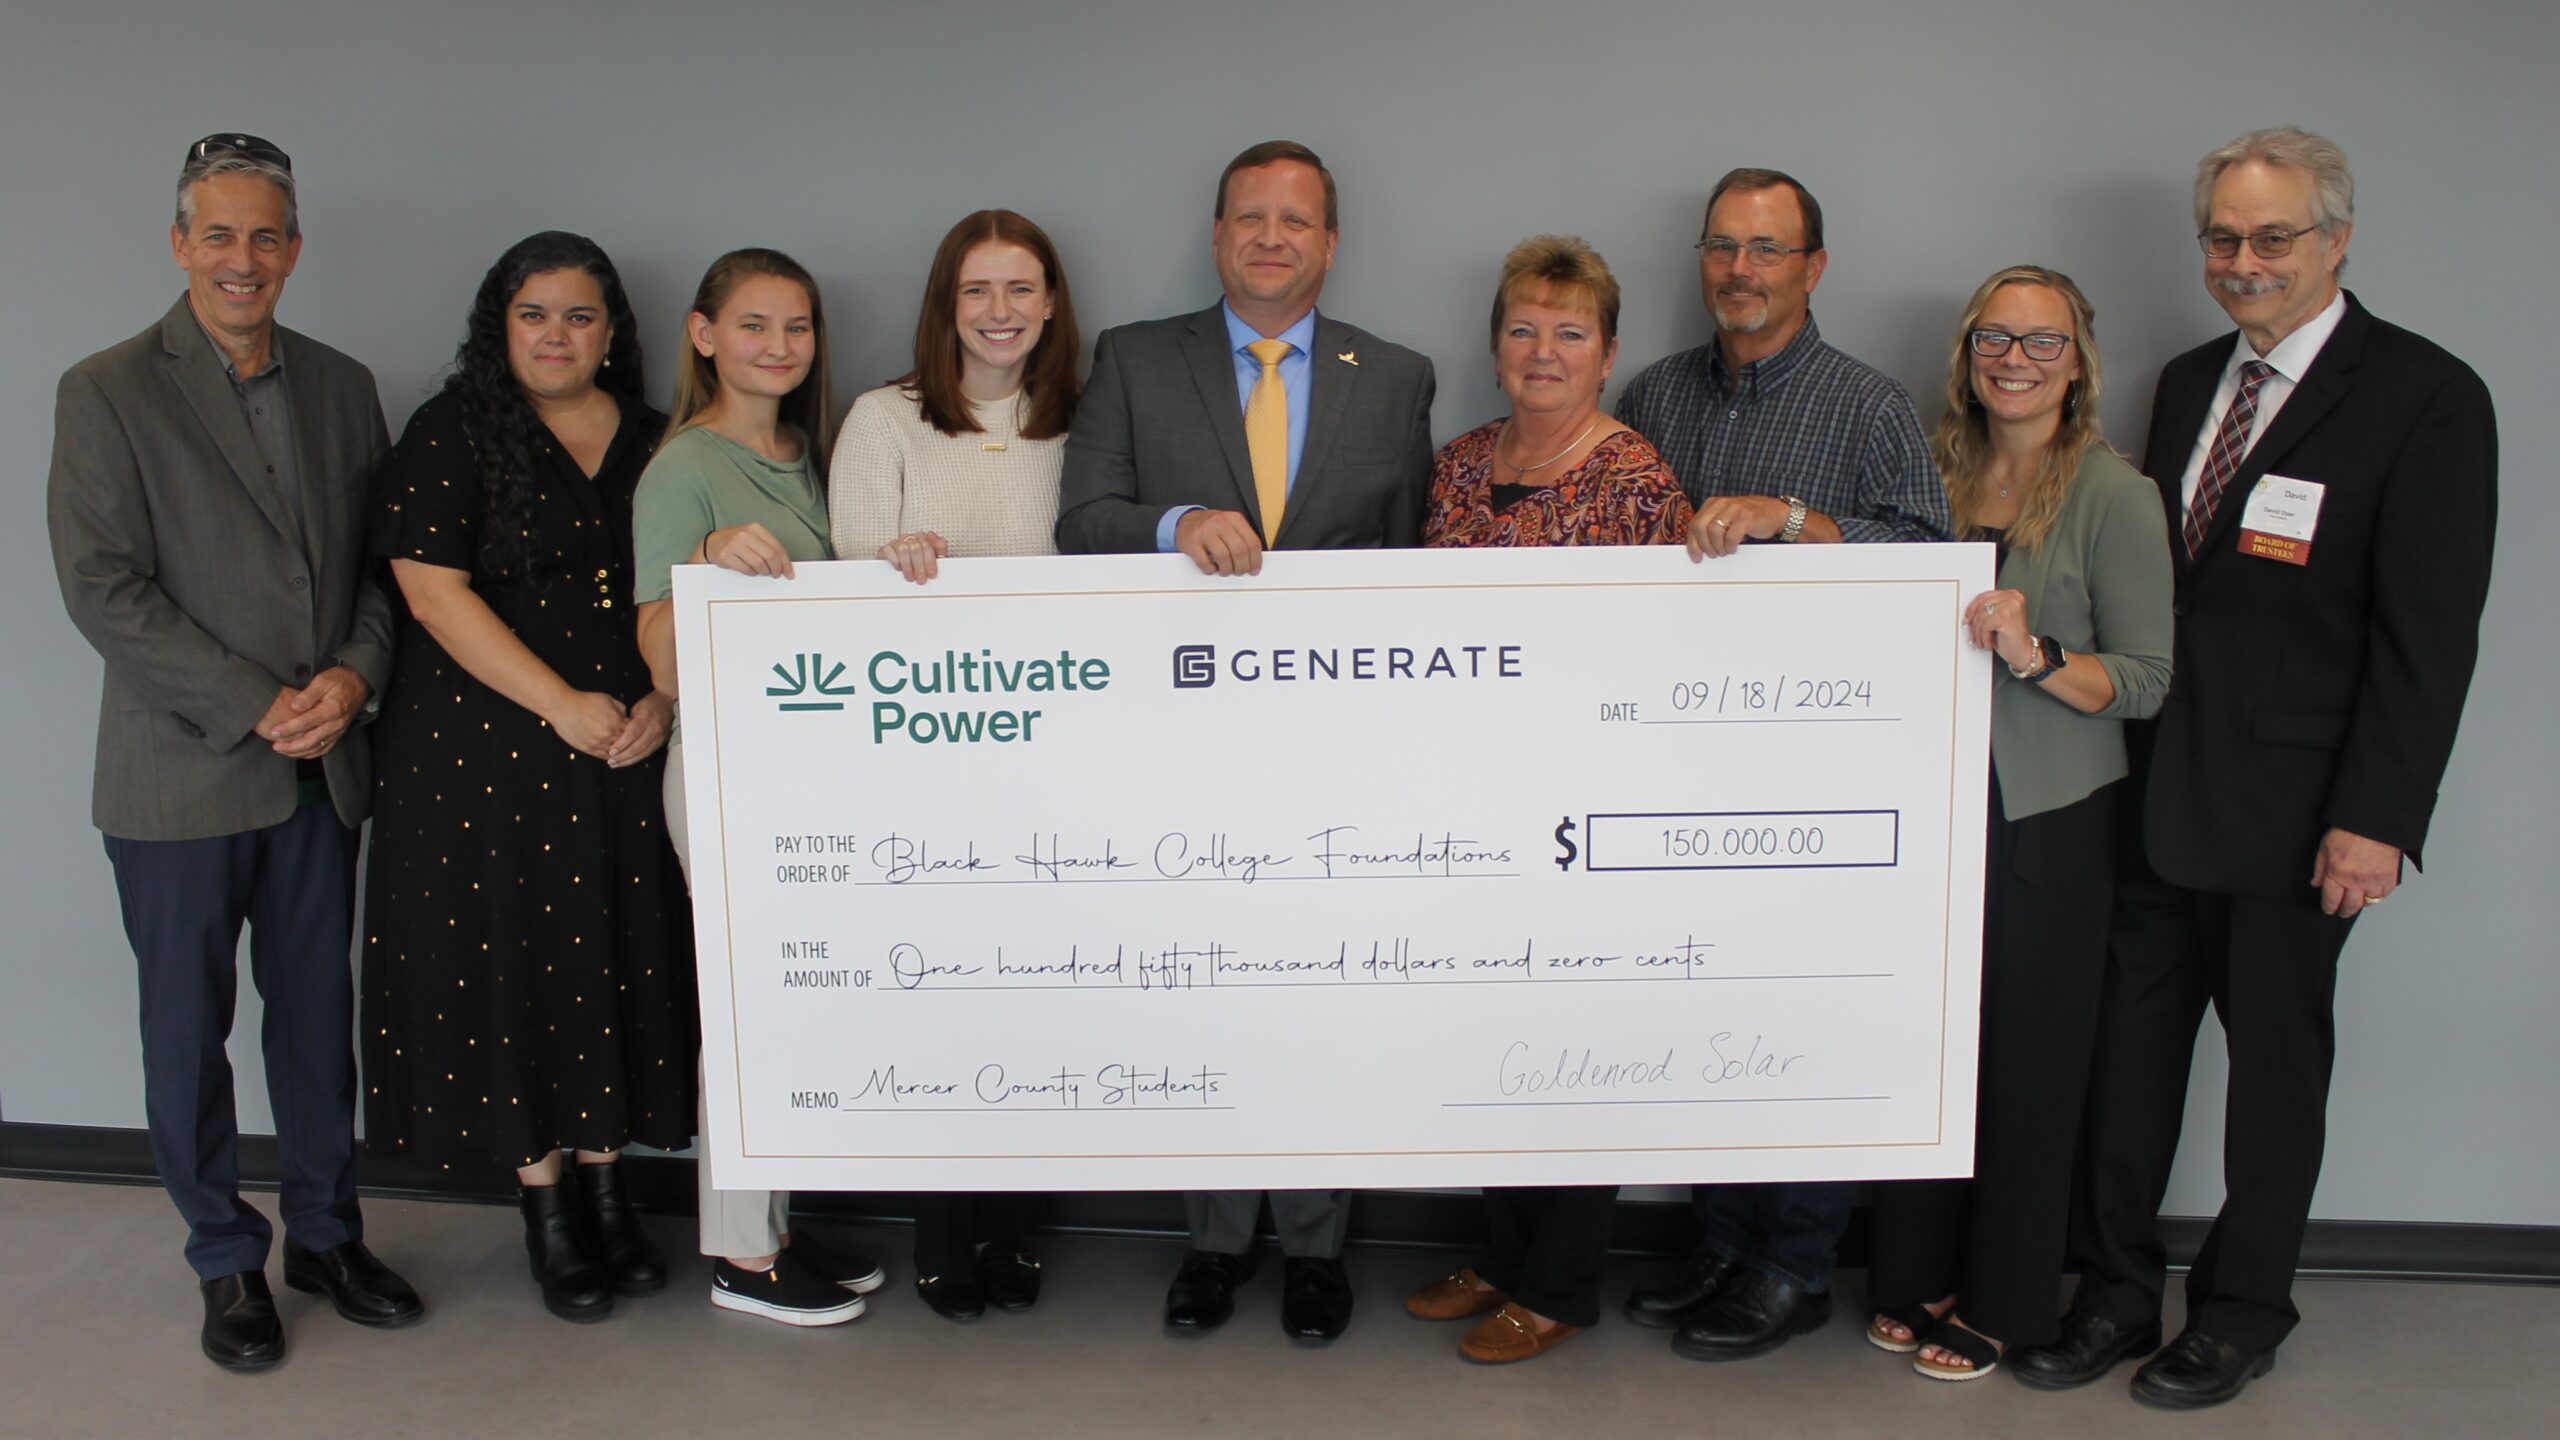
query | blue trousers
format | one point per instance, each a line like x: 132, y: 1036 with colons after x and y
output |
x: 1790, y: 1230
x: 184, y: 902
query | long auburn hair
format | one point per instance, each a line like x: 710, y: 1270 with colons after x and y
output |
x: 1049, y: 376
x: 809, y: 408
x: 1962, y: 443
x: 506, y: 434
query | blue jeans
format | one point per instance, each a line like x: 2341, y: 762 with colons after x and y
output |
x: 1790, y: 1231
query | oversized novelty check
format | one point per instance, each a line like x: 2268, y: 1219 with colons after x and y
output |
x: 1376, y: 869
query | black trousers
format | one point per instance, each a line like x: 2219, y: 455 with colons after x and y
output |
x: 951, y: 1227
x: 1996, y: 1241
x: 1546, y: 1246
x: 2269, y: 967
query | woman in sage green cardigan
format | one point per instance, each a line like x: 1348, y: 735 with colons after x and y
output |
x: 2081, y: 625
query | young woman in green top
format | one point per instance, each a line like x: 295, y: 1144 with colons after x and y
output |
x: 736, y: 484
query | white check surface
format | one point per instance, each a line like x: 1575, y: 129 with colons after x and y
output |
x: 1378, y: 869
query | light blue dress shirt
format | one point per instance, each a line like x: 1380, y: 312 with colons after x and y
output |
x: 1297, y: 373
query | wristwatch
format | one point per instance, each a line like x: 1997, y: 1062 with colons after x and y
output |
x: 2043, y: 659
x: 1795, y: 519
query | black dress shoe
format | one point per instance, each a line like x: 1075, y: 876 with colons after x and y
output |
x: 1203, y: 1293
x: 625, y: 1251
x: 241, y: 1331
x: 1676, y: 1293
x: 364, y: 1289
x: 1315, y: 1298
x: 574, y: 1286
x: 2091, y: 1345
x: 953, y: 1297
x: 851, y: 1269
x: 1754, y: 1314
x: 1010, y: 1277
x: 2196, y: 1370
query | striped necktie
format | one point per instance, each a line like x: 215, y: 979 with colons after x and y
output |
x: 2230, y: 446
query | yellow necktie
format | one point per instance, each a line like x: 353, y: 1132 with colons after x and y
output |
x: 1266, y: 434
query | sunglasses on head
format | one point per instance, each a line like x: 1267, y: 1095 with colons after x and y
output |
x: 235, y: 143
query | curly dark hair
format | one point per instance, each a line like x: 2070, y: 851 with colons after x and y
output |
x: 506, y: 434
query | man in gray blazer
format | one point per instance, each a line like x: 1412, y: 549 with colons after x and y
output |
x: 207, y: 510
x: 1254, y: 424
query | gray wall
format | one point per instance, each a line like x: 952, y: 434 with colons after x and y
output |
x: 1946, y: 137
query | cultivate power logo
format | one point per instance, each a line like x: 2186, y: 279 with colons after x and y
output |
x: 806, y: 672
x: 810, y: 681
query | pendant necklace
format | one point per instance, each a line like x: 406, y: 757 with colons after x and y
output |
x: 1550, y: 460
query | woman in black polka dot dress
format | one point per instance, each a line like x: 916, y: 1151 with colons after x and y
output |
x: 528, y: 980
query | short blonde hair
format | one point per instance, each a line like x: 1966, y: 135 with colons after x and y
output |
x: 1560, y: 270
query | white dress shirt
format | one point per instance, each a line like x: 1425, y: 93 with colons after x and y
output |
x: 2291, y: 358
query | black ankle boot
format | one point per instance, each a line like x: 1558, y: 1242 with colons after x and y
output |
x: 622, y: 1246
x: 574, y: 1287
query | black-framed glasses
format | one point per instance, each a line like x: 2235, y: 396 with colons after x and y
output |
x: 2268, y: 244
x: 1762, y: 252
x: 232, y: 142
x: 2042, y: 345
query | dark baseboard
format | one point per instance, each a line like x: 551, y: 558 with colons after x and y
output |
x: 664, y: 1184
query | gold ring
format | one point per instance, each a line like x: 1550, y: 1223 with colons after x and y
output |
x: 1722, y: 523
x: 2375, y: 899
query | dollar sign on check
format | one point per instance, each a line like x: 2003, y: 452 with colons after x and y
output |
x: 1564, y: 838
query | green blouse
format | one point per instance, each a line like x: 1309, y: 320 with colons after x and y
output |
x: 701, y: 481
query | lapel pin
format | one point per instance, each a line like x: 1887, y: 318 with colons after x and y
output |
x: 1347, y: 358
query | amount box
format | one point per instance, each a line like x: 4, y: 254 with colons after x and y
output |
x: 1744, y: 840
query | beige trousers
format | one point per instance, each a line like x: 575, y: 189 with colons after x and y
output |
x: 734, y: 1222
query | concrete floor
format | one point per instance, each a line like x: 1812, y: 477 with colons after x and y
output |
x: 98, y: 1338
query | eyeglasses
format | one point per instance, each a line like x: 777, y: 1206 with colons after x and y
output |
x: 233, y: 142
x: 2268, y: 244
x: 2042, y: 345
x: 1762, y: 252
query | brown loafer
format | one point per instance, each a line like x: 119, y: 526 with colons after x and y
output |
x: 1508, y: 1335
x: 1453, y: 1297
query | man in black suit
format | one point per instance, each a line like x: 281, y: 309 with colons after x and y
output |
x: 1254, y: 424
x: 2332, y: 482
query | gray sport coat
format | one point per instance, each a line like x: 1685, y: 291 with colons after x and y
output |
x: 1160, y: 426
x: 199, y: 582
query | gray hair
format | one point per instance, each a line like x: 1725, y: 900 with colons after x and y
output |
x: 2333, y: 185
x: 232, y: 162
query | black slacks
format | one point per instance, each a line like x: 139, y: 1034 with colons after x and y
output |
x: 1546, y: 1246
x: 1996, y: 1241
x: 2269, y: 967
x: 950, y: 1227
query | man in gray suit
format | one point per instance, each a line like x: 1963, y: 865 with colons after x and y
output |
x: 1254, y: 424
x: 207, y: 509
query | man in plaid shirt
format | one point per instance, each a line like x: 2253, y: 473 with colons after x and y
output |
x: 1776, y: 436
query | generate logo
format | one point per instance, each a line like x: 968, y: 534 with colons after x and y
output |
x: 1196, y: 667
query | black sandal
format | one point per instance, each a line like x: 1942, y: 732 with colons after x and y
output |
x: 1914, y: 1318
x: 1954, y: 1337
